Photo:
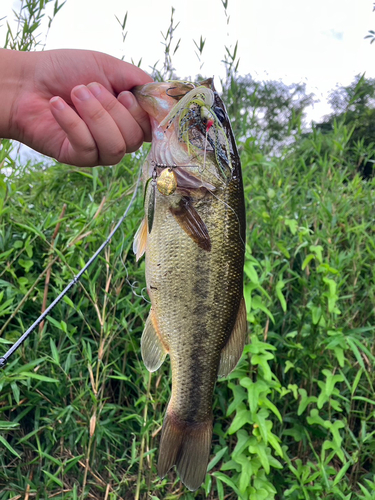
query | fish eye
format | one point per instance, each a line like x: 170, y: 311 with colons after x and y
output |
x: 220, y: 114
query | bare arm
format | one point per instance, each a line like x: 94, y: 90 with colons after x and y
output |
x: 72, y: 105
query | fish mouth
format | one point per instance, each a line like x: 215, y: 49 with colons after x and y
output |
x: 173, y: 89
x: 157, y: 99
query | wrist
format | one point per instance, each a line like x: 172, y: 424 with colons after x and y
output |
x: 12, y: 70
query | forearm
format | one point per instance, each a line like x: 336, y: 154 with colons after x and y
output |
x: 12, y: 75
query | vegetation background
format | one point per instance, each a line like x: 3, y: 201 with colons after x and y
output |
x: 80, y: 416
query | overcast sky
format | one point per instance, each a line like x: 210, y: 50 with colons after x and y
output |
x: 319, y: 42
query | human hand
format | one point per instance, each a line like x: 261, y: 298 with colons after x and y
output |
x: 74, y: 105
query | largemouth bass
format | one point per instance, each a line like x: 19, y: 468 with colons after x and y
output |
x: 194, y: 238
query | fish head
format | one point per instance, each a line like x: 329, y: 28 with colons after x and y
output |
x: 190, y: 126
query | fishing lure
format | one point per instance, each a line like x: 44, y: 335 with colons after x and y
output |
x: 196, y: 111
x: 165, y: 182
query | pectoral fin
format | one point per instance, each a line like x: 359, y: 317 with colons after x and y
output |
x: 191, y: 222
x: 140, y: 240
x: 233, y: 349
x: 152, y: 347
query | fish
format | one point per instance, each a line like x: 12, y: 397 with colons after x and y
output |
x: 193, y: 237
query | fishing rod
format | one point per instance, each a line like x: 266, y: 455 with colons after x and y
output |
x: 4, y: 359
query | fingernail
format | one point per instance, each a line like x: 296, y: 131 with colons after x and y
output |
x: 57, y: 103
x: 82, y: 93
x: 127, y: 99
x: 95, y: 88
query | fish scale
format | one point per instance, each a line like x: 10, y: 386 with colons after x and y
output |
x: 194, y: 275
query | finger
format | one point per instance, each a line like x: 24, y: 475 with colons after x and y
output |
x: 128, y: 100
x: 130, y: 130
x: 79, y: 147
x: 101, y: 121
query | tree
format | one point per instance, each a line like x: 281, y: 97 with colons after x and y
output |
x: 270, y: 111
x: 354, y: 108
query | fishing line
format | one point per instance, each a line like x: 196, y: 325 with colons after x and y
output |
x: 133, y: 285
x: 21, y: 340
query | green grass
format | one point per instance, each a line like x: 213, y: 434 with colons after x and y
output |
x: 80, y: 416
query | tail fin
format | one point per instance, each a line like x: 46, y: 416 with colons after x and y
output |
x: 186, y: 445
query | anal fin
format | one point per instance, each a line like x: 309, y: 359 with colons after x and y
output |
x: 233, y: 349
x: 152, y: 347
x: 191, y: 222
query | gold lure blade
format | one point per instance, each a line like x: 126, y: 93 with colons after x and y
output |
x: 167, y: 182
